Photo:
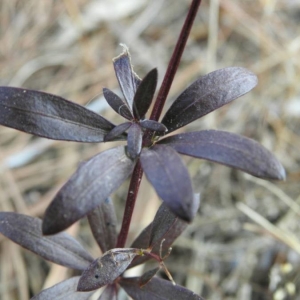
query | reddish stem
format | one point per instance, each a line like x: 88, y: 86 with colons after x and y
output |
x: 174, y: 61
x: 156, y: 112
x: 130, y: 203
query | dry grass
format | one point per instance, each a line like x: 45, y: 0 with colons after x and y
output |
x: 245, y: 243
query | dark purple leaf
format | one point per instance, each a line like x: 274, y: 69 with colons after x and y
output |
x: 126, y: 77
x: 61, y: 248
x: 117, y: 104
x: 229, y: 149
x: 146, y: 277
x: 134, y: 140
x: 164, y: 222
x: 170, y: 231
x: 156, y: 289
x: 103, y: 222
x: 154, y: 126
x: 207, y: 94
x: 170, y: 178
x: 170, y: 236
x: 144, y: 94
x: 106, y: 269
x: 92, y: 183
x: 110, y: 293
x: 65, y: 290
x: 50, y: 116
x: 143, y: 239
x: 141, y: 242
x: 116, y: 132
x: 165, y: 226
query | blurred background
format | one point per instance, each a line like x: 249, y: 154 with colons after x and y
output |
x: 244, y: 243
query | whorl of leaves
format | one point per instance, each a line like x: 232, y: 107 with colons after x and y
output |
x: 87, y: 191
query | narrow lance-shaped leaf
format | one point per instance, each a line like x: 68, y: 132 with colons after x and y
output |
x: 134, y: 140
x: 207, y: 94
x: 117, y: 104
x: 126, y: 77
x: 106, y: 269
x: 50, y: 116
x: 65, y: 290
x: 156, y: 289
x: 92, y: 183
x: 169, y: 176
x: 229, y: 149
x: 117, y: 132
x: 144, y: 94
x: 61, y: 248
x: 103, y: 222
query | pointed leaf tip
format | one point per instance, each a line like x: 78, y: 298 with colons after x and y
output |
x: 207, y: 94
